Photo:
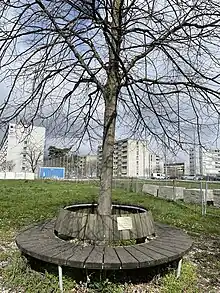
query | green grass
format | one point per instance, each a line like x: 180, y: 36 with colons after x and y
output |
x: 23, y: 203
x: 26, y: 202
x: 20, y: 275
x: 187, y: 281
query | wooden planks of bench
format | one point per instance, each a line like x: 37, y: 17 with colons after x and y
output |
x: 41, y: 243
x: 84, y: 225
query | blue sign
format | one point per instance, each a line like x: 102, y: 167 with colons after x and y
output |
x: 52, y: 172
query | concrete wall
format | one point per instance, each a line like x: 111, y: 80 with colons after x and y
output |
x: 139, y: 187
x: 170, y: 192
x: 166, y: 192
x: 151, y: 189
x: 216, y: 197
x: 194, y: 196
x: 179, y: 192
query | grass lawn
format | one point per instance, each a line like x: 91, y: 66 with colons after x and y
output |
x: 25, y: 202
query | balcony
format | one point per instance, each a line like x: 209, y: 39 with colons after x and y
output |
x: 124, y: 158
x: 125, y: 150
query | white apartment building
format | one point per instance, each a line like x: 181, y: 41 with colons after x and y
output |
x: 87, y: 166
x: 157, y: 164
x: 133, y: 159
x: 175, y: 170
x: 204, y: 162
x: 23, y: 150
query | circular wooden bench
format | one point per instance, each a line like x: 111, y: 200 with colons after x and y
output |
x: 160, y: 243
x: 41, y: 243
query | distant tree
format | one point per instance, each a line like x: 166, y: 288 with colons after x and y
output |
x: 33, y: 157
x: 54, y: 152
x: 7, y: 166
x: 92, y: 168
x: 89, y: 167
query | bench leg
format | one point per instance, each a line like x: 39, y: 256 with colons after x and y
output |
x: 60, y: 278
x: 179, y: 268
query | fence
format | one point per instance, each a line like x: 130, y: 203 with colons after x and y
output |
x: 193, y: 192
x: 197, y: 193
x: 17, y: 175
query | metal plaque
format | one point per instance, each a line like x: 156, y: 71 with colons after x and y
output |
x: 124, y: 223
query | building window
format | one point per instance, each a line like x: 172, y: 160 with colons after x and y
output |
x: 24, y: 155
x: 12, y: 126
x: 25, y: 142
x: 23, y: 168
x: 25, y: 148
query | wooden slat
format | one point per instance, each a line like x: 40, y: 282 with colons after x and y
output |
x: 65, y: 225
x: 166, y: 252
x: 60, y: 257
x: 127, y: 260
x: 111, y: 260
x: 143, y: 259
x: 95, y: 223
x: 79, y: 256
x: 95, y: 259
x: 43, y: 252
x: 175, y: 242
x: 164, y: 246
x: 82, y: 222
x: 151, y: 221
x: 146, y: 230
x: 100, y: 227
x: 60, y: 218
x: 73, y: 226
x: 89, y: 231
x: 138, y: 225
x: 116, y: 232
x: 125, y: 234
x: 157, y: 257
x: 169, y: 247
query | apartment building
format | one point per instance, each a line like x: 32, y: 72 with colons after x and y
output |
x: 87, y: 166
x: 175, y: 170
x: 204, y: 162
x: 23, y: 149
x: 157, y: 164
x: 132, y: 159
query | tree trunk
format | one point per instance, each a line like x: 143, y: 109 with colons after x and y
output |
x: 104, y: 202
x: 110, y: 96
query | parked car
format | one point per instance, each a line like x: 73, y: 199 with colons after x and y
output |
x: 158, y: 176
x: 188, y: 177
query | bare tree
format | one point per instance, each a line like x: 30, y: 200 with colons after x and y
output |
x: 90, y: 166
x: 33, y: 157
x: 7, y: 166
x: 81, y: 64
